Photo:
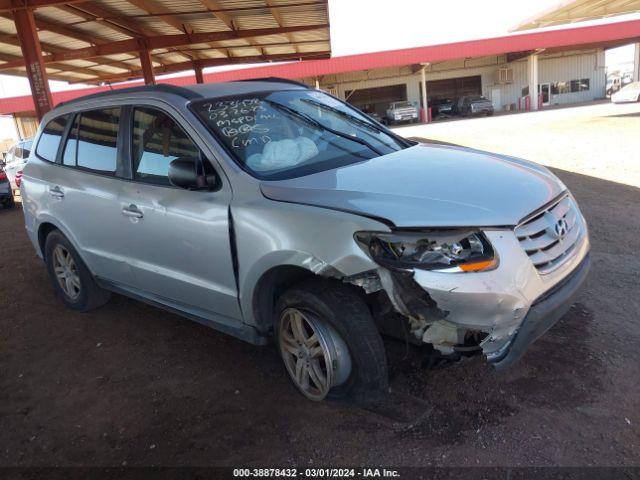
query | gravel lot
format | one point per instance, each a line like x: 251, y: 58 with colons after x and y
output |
x: 600, y: 140
x: 132, y: 385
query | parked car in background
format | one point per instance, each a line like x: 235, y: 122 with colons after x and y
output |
x: 15, y: 161
x: 441, y: 107
x: 6, y: 193
x: 269, y: 210
x: 614, y: 83
x: 474, y: 105
x: 401, y: 112
x: 629, y: 93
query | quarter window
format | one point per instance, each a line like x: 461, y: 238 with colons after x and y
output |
x: 98, y: 139
x: 157, y: 141
x: 50, y: 138
x: 69, y: 155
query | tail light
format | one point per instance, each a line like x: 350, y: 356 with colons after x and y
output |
x: 3, y: 175
x: 18, y: 177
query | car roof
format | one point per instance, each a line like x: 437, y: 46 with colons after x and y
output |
x: 198, y: 91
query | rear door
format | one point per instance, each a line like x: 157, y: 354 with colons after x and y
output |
x: 178, y: 239
x: 84, y: 187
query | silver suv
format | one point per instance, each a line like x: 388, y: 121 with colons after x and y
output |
x: 265, y: 209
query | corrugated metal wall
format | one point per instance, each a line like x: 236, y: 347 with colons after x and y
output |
x: 552, y: 68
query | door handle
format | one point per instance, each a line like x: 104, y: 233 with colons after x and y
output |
x: 56, y: 192
x: 132, y: 211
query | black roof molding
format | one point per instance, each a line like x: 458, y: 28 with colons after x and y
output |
x: 164, y: 88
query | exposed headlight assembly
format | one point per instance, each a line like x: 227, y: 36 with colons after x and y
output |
x: 436, y: 250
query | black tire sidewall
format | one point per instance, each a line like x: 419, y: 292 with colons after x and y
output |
x: 8, y: 202
x: 352, y: 320
x: 81, y: 303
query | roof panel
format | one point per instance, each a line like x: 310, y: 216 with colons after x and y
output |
x: 95, y: 26
x: 572, y: 11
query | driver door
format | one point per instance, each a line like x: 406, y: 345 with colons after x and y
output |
x: 179, y: 241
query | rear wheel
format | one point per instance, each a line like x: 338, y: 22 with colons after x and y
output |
x: 329, y: 343
x: 9, y: 202
x: 71, y: 279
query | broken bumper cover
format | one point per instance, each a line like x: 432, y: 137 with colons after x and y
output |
x: 496, y: 302
x: 543, y: 314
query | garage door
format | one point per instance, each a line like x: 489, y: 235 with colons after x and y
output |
x: 376, y: 99
x: 454, y: 88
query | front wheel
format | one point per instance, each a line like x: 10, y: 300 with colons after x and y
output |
x: 329, y: 343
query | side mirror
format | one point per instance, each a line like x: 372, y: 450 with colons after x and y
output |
x: 189, y: 173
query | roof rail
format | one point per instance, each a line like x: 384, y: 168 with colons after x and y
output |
x: 275, y: 80
x: 163, y: 87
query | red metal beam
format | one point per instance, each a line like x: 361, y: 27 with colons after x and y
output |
x: 13, y: 5
x: 161, y: 41
x: 30, y: 45
x: 147, y: 67
x: 210, y: 62
x: 197, y: 68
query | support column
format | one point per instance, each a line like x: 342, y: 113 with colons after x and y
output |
x: 532, y: 76
x: 197, y: 68
x: 423, y: 85
x: 147, y: 67
x: 636, y: 63
x: 32, y: 54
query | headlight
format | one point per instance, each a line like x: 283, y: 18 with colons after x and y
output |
x: 438, y: 250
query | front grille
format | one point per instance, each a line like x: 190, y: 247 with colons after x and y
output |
x: 550, y: 236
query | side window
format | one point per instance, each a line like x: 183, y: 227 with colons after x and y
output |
x: 50, y: 139
x: 70, y: 149
x: 157, y: 141
x: 97, y: 140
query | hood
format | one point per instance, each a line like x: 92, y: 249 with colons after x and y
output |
x: 428, y: 185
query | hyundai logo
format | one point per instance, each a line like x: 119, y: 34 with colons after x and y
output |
x: 561, y: 228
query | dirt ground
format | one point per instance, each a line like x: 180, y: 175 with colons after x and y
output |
x: 132, y: 385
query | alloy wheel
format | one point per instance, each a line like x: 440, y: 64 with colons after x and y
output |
x: 314, y: 354
x: 66, y: 272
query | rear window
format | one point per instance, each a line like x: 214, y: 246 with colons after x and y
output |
x: 98, y: 139
x: 49, y: 142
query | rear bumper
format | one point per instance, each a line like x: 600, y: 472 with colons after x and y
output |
x: 543, y: 314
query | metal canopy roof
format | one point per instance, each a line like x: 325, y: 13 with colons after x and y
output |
x: 571, y: 11
x: 99, y: 41
x: 514, y: 46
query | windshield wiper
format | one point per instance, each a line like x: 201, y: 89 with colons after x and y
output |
x: 357, y: 120
x: 312, y: 121
x: 345, y: 115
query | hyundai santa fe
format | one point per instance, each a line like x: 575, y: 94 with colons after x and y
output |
x: 269, y: 210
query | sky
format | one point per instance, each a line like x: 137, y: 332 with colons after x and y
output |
x: 359, y: 26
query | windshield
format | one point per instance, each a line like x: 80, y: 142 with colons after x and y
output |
x: 403, y: 105
x: 290, y: 133
x: 632, y: 86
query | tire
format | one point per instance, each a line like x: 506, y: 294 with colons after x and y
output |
x: 345, y: 318
x: 9, y: 202
x: 88, y: 295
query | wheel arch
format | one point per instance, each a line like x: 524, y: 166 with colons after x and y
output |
x: 270, y: 286
x: 46, y: 225
x: 44, y: 229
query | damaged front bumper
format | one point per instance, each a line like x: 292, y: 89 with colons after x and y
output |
x: 543, y: 314
x: 508, y: 308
